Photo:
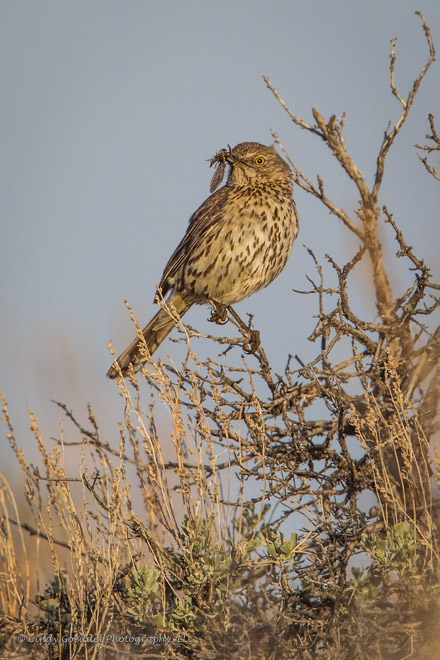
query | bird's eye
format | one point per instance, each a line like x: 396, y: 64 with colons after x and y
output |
x: 260, y: 160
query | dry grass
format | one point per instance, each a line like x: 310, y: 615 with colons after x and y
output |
x: 246, y: 529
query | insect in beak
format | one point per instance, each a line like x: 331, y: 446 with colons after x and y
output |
x: 219, y: 160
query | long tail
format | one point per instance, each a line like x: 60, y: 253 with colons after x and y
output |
x: 154, y: 333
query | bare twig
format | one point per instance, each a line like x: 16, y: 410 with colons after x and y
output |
x: 390, y: 136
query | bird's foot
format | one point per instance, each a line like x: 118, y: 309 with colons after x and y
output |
x: 252, y: 342
x: 219, y: 314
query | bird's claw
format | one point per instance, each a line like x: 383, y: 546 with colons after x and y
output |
x: 252, y: 342
x: 219, y: 314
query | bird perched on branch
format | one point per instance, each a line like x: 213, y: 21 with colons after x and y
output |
x: 237, y: 242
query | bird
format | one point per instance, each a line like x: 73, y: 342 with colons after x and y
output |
x: 237, y: 242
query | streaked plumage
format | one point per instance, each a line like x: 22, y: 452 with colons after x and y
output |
x: 237, y: 242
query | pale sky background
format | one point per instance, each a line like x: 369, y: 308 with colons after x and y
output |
x: 110, y: 111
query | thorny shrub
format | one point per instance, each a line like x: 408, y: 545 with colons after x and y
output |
x: 336, y: 552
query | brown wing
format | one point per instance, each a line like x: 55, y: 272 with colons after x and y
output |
x: 208, y: 214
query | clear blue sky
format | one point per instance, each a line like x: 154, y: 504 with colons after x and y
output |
x: 110, y: 111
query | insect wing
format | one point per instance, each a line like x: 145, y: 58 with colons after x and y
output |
x: 218, y: 175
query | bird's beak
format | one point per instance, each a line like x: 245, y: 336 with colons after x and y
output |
x: 233, y: 160
x: 230, y: 158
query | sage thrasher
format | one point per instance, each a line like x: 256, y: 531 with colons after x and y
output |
x: 237, y: 242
